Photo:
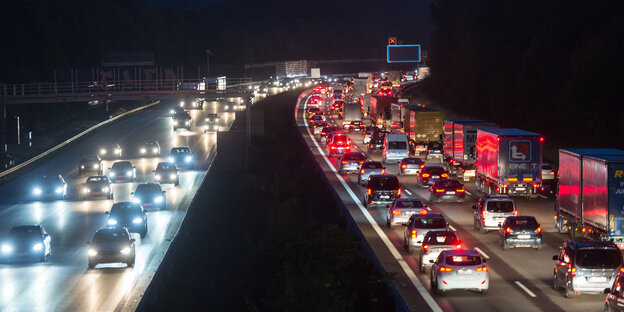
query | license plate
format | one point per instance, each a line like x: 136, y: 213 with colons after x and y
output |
x: 451, y: 193
x: 524, y: 236
x: 469, y: 173
x: 410, y: 170
x: 520, y: 188
x: 464, y: 272
x: 147, y: 204
x: 598, y: 279
x: 435, y: 177
x: 96, y: 193
x: 384, y: 196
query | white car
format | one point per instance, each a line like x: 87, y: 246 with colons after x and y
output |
x: 433, y: 244
x: 459, y: 269
x: 402, y: 209
x: 418, y: 226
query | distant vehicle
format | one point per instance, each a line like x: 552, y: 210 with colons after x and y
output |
x: 375, y: 144
x: 182, y: 120
x: 429, y: 174
x: 26, y: 242
x: 520, y: 231
x: 176, y: 110
x: 310, y: 111
x: 128, y: 215
x: 338, y: 146
x: 150, y: 195
x: 181, y: 156
x: 113, y: 151
x: 460, y: 138
x: 356, y: 126
x: 549, y: 178
x: 97, y: 186
x: 402, y: 209
x: 418, y: 225
x: 123, y: 171
x: 381, y: 189
x: 166, y: 172
x: 434, y: 150
x: 213, y: 117
x: 326, y: 131
x: 491, y: 211
x: 368, y: 134
x: 447, y: 190
x: 49, y: 187
x: 422, y: 125
x: 351, y: 112
x: 586, y: 267
x: 434, y: 243
x: 90, y: 164
x: 369, y: 168
x: 410, y: 166
x: 211, y: 126
x: 111, y: 245
x: 459, y: 269
x: 395, y: 147
x: 351, y: 162
x: 150, y: 148
x: 192, y: 104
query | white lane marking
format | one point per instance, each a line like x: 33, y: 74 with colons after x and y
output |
x: 468, y: 193
x: 542, y: 196
x: 525, y: 289
x: 395, y: 253
x: 408, y: 192
x: 428, y: 208
x: 482, y: 253
x: 452, y: 228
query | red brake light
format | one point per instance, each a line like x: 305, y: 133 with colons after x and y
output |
x: 508, y: 230
x: 439, y: 190
x: 361, y: 161
x: 515, y: 212
x: 399, y: 192
x: 482, y: 269
x: 445, y: 175
x: 483, y: 214
x: 383, y: 171
x: 370, y: 146
x: 396, y: 212
x: 542, y: 139
x: 461, y: 190
x: 573, y: 271
x: 333, y: 147
x: 538, y: 230
x: 445, y: 269
x: 422, y: 212
x: 622, y: 269
x: 422, y: 166
x: 370, y: 191
x: 413, y: 233
x: 404, y: 166
x: 345, y: 162
x: 425, y: 175
x: 425, y: 248
x: 362, y: 171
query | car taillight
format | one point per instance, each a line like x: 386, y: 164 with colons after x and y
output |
x: 425, y: 248
x: 422, y: 212
x: 399, y: 192
x: 538, y: 230
x: 552, y: 172
x: 439, y: 190
x: 362, y: 171
x: 573, y: 271
x: 370, y: 146
x: 445, y: 269
x: 459, y: 246
x: 414, y: 234
x: 422, y: 166
x: 396, y: 212
x: 515, y: 212
x: 404, y: 166
x: 339, y: 142
x: 445, y: 175
x: 484, y: 213
x: 370, y: 191
x: 461, y: 190
x: 322, y: 133
x: 425, y: 175
x: 383, y: 171
x: 345, y: 162
x: 333, y: 147
x: 361, y: 161
x: 508, y: 230
x: 482, y: 269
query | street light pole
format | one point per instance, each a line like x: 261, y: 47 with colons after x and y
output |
x: 208, y: 53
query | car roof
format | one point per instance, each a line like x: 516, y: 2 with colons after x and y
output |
x: 431, y: 233
x: 122, y: 162
x: 26, y: 227
x: 461, y: 252
x: 382, y: 176
x: 497, y: 197
x: 590, y: 244
x: 429, y: 215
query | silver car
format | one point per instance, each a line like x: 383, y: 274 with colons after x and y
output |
x: 418, y: 226
x: 370, y: 168
x: 491, y: 211
x: 410, y: 166
x: 459, y: 269
x: 351, y: 162
x: 402, y: 209
x: 433, y: 244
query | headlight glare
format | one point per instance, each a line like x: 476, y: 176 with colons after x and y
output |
x: 158, y: 199
x: 137, y: 220
x: 143, y: 151
x: 129, y: 172
x: 38, y: 247
x: 136, y: 200
x: 188, y: 158
x: 112, y: 222
x: 157, y: 177
x: 125, y: 251
x: 6, y: 248
x: 37, y: 191
x: 92, y: 252
x: 172, y: 176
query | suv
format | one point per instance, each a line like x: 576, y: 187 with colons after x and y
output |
x: 418, y: 226
x: 491, y: 211
x: 586, y: 266
x: 434, y: 150
x: 429, y: 174
x: 182, y: 120
x: 381, y: 189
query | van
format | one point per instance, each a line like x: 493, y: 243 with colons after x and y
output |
x: 395, y: 147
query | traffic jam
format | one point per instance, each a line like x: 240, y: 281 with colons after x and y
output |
x: 455, y: 195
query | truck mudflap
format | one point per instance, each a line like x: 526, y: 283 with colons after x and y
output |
x: 519, y: 189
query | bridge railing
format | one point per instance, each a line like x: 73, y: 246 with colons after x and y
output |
x: 122, y: 87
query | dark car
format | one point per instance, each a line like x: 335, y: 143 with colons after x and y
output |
x: 26, y: 242
x: 434, y: 150
x: 91, y: 164
x: 182, y: 120
x: 381, y: 189
x: 97, y: 186
x: 430, y: 174
x: 176, y: 110
x: 351, y: 162
x: 520, y: 231
x: 149, y: 195
x: 375, y: 144
x: 181, y: 156
x: 112, y: 151
x: 49, y: 187
x: 615, y: 295
x: 410, y: 165
x: 356, y: 126
x: 166, y: 172
x: 150, y: 148
x: 111, y: 245
x: 447, y: 190
x: 122, y: 171
x: 129, y: 215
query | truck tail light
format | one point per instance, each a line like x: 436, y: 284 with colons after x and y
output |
x: 344, y: 162
x: 362, y: 171
x: 425, y: 212
x: 413, y: 234
x: 383, y: 171
x: 573, y: 271
x: 404, y: 166
x: 515, y: 212
x: 439, y: 190
x: 396, y: 212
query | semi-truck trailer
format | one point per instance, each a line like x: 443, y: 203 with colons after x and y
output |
x: 460, y: 138
x: 381, y: 109
x: 422, y: 125
x: 351, y: 111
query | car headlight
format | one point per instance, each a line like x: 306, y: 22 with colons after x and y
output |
x: 175, y: 122
x: 58, y: 190
x: 111, y: 222
x: 136, y: 200
x: 125, y: 251
x: 171, y: 112
x: 158, y: 199
x: 105, y: 189
x: 154, y: 150
x: 188, y: 122
x: 182, y: 104
x: 103, y: 151
x: 81, y: 166
x: 6, y: 248
x: 37, y: 191
x: 188, y: 158
x: 86, y: 190
x: 172, y: 176
x: 157, y: 177
x: 137, y: 220
x: 143, y: 151
x: 112, y: 173
x: 38, y: 247
x: 117, y: 151
x: 170, y: 159
x: 92, y: 252
x: 96, y: 166
x: 129, y: 172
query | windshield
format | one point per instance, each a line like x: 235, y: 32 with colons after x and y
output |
x: 500, y: 206
x: 147, y: 188
x: 429, y: 223
x: 109, y: 236
x: 463, y: 260
x: 180, y: 150
x: 165, y: 166
x: 409, y: 204
x: 25, y: 232
x: 397, y: 145
x: 444, y: 238
x: 412, y: 161
x: 356, y: 156
x: 434, y: 170
x: 523, y: 223
x: 124, y: 208
x: 448, y: 184
x: 599, y: 258
x: 372, y: 165
x: 97, y: 179
x: 122, y: 165
x: 389, y: 183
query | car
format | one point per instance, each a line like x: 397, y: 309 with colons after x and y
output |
x: 434, y: 150
x: 181, y: 156
x: 97, y: 186
x: 122, y: 171
x: 128, y: 215
x: 314, y: 100
x: 6, y: 160
x: 318, y: 127
x: 111, y: 245
x: 90, y: 164
x: 112, y: 151
x: 315, y: 120
x: 447, y: 190
x: 375, y: 144
x: 213, y: 117
x: 520, y: 231
x: 418, y: 225
x: 491, y: 211
x: 615, y: 297
x: 336, y: 107
x: 548, y: 178
x: 434, y: 243
x: 335, y: 135
x: 586, y: 266
x: 369, y: 168
x: 26, y: 242
x: 166, y: 172
x: 402, y: 209
x: 356, y: 126
x: 459, y: 269
x: 429, y: 174
x: 410, y: 166
x: 368, y: 134
x: 150, y: 195
x: 381, y: 189
x: 149, y: 148
x: 182, y: 120
x: 176, y: 110
x: 49, y: 187
x: 338, y: 146
x: 351, y: 162
x: 310, y: 111
x: 326, y: 131
x: 211, y: 126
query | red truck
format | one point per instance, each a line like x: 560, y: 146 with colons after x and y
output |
x: 381, y: 109
x: 460, y: 138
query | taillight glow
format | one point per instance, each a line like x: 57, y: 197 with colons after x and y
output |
x: 538, y: 230
x: 396, y: 212
x: 508, y: 230
x: 361, y: 161
x: 482, y: 269
x: 333, y: 147
x: 445, y: 269
x: 425, y: 248
x: 422, y: 166
x: 515, y: 212
x: 362, y: 171
x: 461, y: 190
x: 439, y: 190
x: 404, y: 166
x: 484, y: 213
x: 413, y: 234
x: 425, y: 175
x: 399, y: 192
x: 370, y: 191
x: 345, y: 162
x: 422, y: 212
x: 573, y: 271
x: 445, y: 175
x: 383, y: 171
x: 459, y: 246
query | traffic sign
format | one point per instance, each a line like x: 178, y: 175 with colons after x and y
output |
x: 392, y: 41
x: 403, y: 53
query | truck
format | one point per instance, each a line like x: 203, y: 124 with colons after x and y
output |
x: 591, y: 194
x: 394, y: 76
x: 422, y: 125
x: 508, y: 161
x: 380, y: 109
x: 423, y: 72
x: 460, y: 138
x: 351, y: 111
x: 360, y: 86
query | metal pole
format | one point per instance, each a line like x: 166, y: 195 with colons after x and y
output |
x: 3, y: 142
x: 208, y: 52
x: 18, y: 131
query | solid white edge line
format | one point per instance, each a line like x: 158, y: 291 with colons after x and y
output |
x: 408, y: 192
x: 525, y: 289
x: 395, y: 253
x: 452, y: 228
x: 468, y: 193
x: 482, y: 253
